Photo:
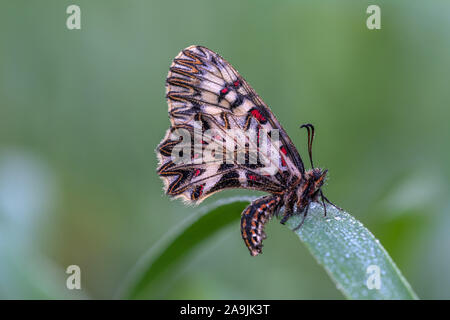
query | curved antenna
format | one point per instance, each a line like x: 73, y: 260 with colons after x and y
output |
x: 310, y: 129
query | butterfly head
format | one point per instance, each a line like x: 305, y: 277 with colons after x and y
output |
x: 316, y: 179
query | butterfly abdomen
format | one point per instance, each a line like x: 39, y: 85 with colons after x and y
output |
x: 253, y: 220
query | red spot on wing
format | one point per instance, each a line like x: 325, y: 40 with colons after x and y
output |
x: 257, y: 114
x: 197, y: 193
x: 197, y: 172
x: 284, y: 151
x: 224, y: 91
x: 237, y: 83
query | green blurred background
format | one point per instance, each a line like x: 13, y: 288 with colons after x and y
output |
x: 82, y: 111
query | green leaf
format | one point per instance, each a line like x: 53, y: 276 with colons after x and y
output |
x: 152, y: 268
x: 346, y: 249
x: 340, y: 243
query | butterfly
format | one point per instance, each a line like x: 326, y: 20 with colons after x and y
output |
x: 206, y: 94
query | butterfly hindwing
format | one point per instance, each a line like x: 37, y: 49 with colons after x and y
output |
x: 194, y: 182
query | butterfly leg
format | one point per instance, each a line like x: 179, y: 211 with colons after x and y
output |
x: 323, y: 204
x: 286, y: 217
x: 305, y: 213
x: 328, y: 201
x: 288, y: 212
x: 253, y: 219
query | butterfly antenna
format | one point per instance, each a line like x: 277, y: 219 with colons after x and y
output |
x: 310, y: 129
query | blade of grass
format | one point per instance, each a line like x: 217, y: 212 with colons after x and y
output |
x: 340, y: 243
x: 351, y: 255
x: 169, y: 252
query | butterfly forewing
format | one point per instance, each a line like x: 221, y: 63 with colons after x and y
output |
x: 206, y: 95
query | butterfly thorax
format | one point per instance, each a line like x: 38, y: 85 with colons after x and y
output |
x: 308, y: 188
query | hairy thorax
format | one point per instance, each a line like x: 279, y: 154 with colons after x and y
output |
x: 308, y: 188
